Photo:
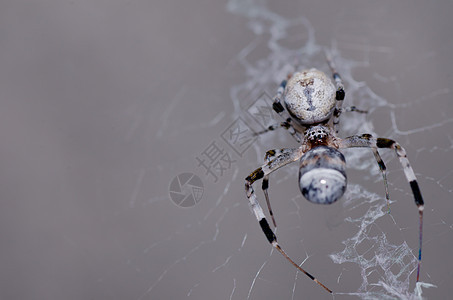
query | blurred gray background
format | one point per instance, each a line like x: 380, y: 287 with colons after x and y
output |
x: 103, y: 103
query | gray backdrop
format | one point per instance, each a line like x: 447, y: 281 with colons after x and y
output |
x: 103, y: 103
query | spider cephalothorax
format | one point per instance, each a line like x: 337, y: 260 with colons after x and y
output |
x: 316, y: 133
x: 313, y: 109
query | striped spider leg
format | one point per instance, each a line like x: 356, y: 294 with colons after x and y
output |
x: 368, y: 141
x: 270, y: 155
x: 339, y: 95
x: 285, y: 156
x: 288, y: 124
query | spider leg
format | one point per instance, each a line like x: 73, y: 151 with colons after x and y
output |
x: 339, y: 96
x: 383, y: 170
x: 265, y: 184
x: 278, y: 108
x: 285, y: 157
x: 264, y: 187
x: 366, y: 140
x: 287, y: 125
x: 353, y: 108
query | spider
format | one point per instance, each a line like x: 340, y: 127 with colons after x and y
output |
x: 313, y: 108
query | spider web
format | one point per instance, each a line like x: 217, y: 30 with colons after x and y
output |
x: 111, y: 110
x: 355, y: 247
x: 393, y: 263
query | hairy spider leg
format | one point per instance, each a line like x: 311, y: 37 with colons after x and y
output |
x: 278, y: 108
x: 271, y: 154
x: 366, y: 140
x: 287, y: 156
x: 353, y: 108
x: 285, y: 124
x: 383, y: 170
x: 339, y: 96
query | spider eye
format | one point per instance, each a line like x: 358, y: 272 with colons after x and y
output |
x: 322, y: 185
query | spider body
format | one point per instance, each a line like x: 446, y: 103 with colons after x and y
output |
x: 310, y: 97
x: 322, y: 176
x: 313, y: 108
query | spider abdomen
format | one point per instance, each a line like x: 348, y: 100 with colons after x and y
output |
x: 322, y: 176
x: 310, y: 97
